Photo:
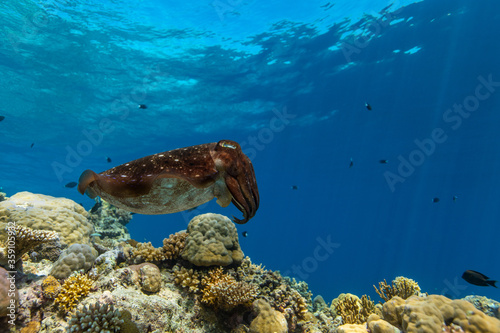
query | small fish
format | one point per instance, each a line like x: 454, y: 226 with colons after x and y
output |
x: 351, y: 164
x: 435, y: 200
x: 32, y: 145
x: 108, y: 159
x: 295, y: 187
x: 2, y: 118
x: 478, y: 279
x: 244, y: 233
x: 383, y: 161
x: 96, y: 234
x: 142, y: 106
x: 368, y: 106
x: 455, y: 198
x: 71, y: 184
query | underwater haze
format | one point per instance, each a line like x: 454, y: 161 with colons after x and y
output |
x: 373, y: 126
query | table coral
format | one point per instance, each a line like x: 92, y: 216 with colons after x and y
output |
x: 26, y: 238
x: 43, y: 212
x: 73, y: 289
x: 400, y: 286
x: 212, y: 241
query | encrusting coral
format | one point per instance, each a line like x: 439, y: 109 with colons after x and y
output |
x: 400, y: 286
x: 73, y: 289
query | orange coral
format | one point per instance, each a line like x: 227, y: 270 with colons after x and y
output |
x: 73, y: 289
x: 50, y: 287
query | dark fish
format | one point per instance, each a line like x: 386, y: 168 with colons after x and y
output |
x: 368, y: 106
x: 351, y: 164
x: 108, y: 159
x: 478, y: 279
x: 383, y: 161
x: 96, y: 207
x: 191, y: 209
x: 244, y: 233
x: 295, y: 187
x: 32, y: 145
x: 71, y: 184
x: 455, y: 198
x: 2, y: 118
x: 142, y: 106
x: 435, y: 200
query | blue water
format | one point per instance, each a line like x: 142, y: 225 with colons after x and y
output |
x: 289, y: 82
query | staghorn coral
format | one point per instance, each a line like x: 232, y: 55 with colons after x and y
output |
x: 400, y: 286
x: 50, y: 287
x: 352, y: 309
x: 187, y: 278
x: 212, y: 241
x: 96, y: 318
x: 43, y: 212
x: 223, y: 291
x: 174, y: 244
x: 73, y: 289
x: 74, y: 258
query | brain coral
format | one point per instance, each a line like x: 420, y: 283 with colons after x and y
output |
x: 74, y: 258
x: 212, y: 240
x: 43, y: 212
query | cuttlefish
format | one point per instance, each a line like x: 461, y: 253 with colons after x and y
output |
x: 179, y: 180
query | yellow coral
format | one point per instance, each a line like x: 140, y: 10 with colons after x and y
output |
x: 174, y: 244
x: 73, y: 289
x: 187, y: 278
x: 354, y: 310
x: 401, y: 286
x: 148, y: 253
x: 50, y: 287
x: 222, y: 290
x: 26, y: 238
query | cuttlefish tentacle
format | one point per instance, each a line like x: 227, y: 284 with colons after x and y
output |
x: 178, y: 180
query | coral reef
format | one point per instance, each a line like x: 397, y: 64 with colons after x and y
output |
x: 73, y: 289
x: 96, y: 318
x: 51, y: 287
x: 212, y: 241
x: 400, y: 286
x: 352, y: 309
x: 486, y: 305
x: 74, y: 258
x: 223, y: 291
x: 187, y: 278
x: 145, y: 252
x: 43, y: 212
x: 110, y: 221
x: 268, y: 319
x: 174, y: 244
x: 148, y: 276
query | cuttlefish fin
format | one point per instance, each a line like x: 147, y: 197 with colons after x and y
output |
x: 87, y: 177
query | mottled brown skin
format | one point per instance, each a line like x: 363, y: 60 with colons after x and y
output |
x: 178, y: 180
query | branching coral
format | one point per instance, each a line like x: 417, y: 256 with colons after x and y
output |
x: 354, y: 310
x: 174, y: 244
x: 145, y: 252
x: 73, y: 289
x: 26, y: 238
x: 96, y: 318
x: 187, y: 278
x: 400, y: 286
x: 223, y: 291
x: 50, y: 287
